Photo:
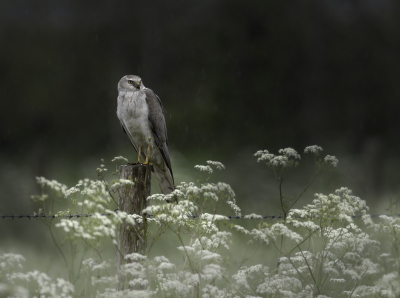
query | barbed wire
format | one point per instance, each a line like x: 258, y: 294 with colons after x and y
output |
x: 70, y: 216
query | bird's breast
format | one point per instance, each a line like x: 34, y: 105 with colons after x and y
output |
x: 134, y: 112
x: 132, y: 104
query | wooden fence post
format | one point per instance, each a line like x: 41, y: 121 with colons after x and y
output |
x: 132, y: 200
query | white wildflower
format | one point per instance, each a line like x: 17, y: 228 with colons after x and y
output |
x: 100, y: 266
x: 208, y: 255
x: 279, y: 161
x: 211, y: 272
x: 289, y: 152
x: 210, y: 195
x: 216, y: 165
x: 281, y: 229
x: 241, y: 229
x: 135, y: 257
x: 134, y: 269
x: 101, y: 170
x: 213, y: 291
x: 192, y: 190
x: 71, y: 191
x: 284, y: 285
x: 119, y: 160
x: 45, y: 286
x: 10, y: 261
x: 39, y: 198
x: 331, y: 160
x: 52, y: 184
x: 263, y: 155
x: 253, y: 216
x: 138, y: 282
x: 207, y: 169
x: 260, y: 235
x: 235, y: 208
x: 122, y: 183
x: 254, y: 274
x: 313, y: 149
x: 338, y: 280
x: 389, y: 284
x: 157, y: 196
x: 88, y: 264
x: 216, y: 240
x: 226, y: 189
x: 163, y: 263
x: 174, y: 286
x: 208, y: 187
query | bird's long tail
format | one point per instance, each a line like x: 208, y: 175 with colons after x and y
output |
x: 164, y: 179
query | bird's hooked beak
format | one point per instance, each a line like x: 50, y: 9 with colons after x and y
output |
x: 137, y: 84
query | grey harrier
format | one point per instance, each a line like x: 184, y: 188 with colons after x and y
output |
x: 141, y: 114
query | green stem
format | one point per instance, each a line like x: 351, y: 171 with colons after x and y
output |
x: 156, y: 238
x: 184, y: 247
x: 281, y: 199
x: 304, y: 190
x: 58, y: 247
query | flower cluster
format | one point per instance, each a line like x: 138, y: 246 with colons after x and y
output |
x: 318, y: 250
x: 279, y: 164
x: 212, y: 165
x: 14, y: 283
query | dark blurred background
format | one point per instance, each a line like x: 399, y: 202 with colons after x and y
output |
x: 234, y: 77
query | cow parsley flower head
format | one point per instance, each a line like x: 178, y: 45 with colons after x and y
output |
x: 72, y: 191
x: 240, y: 229
x: 247, y: 276
x: 207, y: 169
x: 156, y: 197
x: 253, y: 216
x: 313, y: 149
x: 43, y: 284
x: 10, y: 261
x: 389, y: 284
x: 289, y: 152
x: 279, y: 160
x: 263, y: 155
x: 135, y: 257
x: 216, y: 165
x: 39, y: 198
x: 52, y: 184
x: 119, y: 160
x: 285, y: 160
x: 122, y: 184
x: 210, y: 291
x: 331, y: 160
x: 101, y: 169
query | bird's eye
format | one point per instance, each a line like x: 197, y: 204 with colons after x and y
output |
x: 130, y: 82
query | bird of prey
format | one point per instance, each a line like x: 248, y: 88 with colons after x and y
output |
x: 141, y: 114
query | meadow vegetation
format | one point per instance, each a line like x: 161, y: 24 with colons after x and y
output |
x: 328, y: 248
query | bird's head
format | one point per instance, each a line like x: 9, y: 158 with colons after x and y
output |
x: 130, y: 83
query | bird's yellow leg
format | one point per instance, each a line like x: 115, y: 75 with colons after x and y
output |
x: 140, y: 150
x: 147, y: 156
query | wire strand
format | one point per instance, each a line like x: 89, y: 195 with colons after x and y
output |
x: 70, y: 216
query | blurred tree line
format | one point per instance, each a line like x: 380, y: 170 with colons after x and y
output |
x: 231, y: 75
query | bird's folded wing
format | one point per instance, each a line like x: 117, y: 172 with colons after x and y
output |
x: 158, y: 126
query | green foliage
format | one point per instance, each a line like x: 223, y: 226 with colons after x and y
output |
x: 321, y: 249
